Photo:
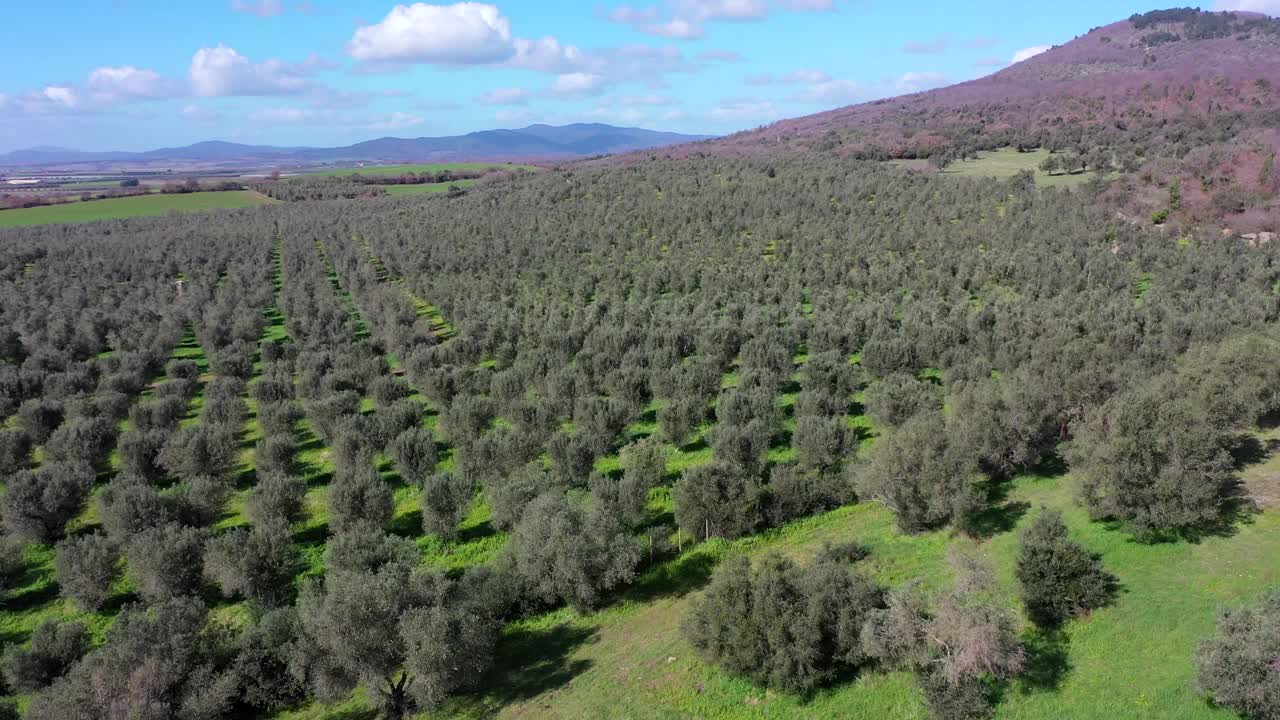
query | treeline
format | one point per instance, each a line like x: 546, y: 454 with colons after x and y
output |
x: 317, y: 187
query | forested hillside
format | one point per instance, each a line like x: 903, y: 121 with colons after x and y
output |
x: 398, y: 455
x: 1179, y: 106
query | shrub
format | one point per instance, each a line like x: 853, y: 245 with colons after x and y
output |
x: 165, y: 562
x: 1059, y: 578
x: 359, y: 495
x: 53, y: 649
x: 780, y: 625
x: 251, y: 563
x: 562, y: 552
x: 1237, y: 666
x: 276, y: 497
x: 38, y: 505
x: 87, y: 566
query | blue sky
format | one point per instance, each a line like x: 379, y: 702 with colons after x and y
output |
x: 140, y: 74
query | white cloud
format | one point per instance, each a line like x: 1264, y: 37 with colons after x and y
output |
x: 673, y: 115
x: 512, y: 117
x: 505, y: 96
x: 61, y: 95
x: 650, y: 100
x: 465, y: 33
x: 809, y: 5
x: 913, y: 82
x: 221, y: 71
x: 991, y: 62
x: 676, y: 28
x: 546, y: 55
x: 261, y: 8
x: 1269, y: 7
x: 129, y: 82
x: 684, y: 19
x: 577, y: 84
x: 291, y: 116
x: 632, y: 16
x: 743, y: 110
x: 626, y: 116
x: 832, y: 92
x: 721, y: 9
x: 395, y: 121
x: 805, y: 77
x: 197, y: 114
x: 1028, y: 53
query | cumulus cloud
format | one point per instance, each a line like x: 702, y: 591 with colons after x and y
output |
x: 465, y: 33
x: 684, y: 19
x: 1028, y: 53
x: 546, y: 55
x: 809, y: 5
x: 913, y: 82
x: 721, y: 9
x: 832, y: 92
x: 261, y: 8
x: 129, y: 82
x: 1269, y: 7
x: 743, y: 110
x: 197, y: 114
x: 394, y: 121
x: 577, y: 84
x: 221, y: 71
x: 505, y: 96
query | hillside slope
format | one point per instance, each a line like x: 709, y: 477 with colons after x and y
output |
x: 1175, y: 95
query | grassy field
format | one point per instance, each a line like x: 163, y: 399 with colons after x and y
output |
x: 1004, y: 163
x: 139, y: 206
x: 422, y: 168
x: 428, y: 188
x: 1130, y: 660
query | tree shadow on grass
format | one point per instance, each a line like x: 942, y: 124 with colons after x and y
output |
x: 1048, y: 660
x: 32, y: 598
x: 532, y: 662
x: 681, y: 576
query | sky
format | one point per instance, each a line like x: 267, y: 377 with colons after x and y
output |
x: 142, y: 74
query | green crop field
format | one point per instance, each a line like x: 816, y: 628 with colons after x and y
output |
x: 428, y: 188
x: 144, y: 205
x: 422, y: 168
x: 1004, y: 163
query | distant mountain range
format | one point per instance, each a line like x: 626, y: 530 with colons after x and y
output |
x: 536, y: 142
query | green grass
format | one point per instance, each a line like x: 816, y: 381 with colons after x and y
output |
x: 422, y: 168
x: 142, y: 205
x: 1130, y: 660
x: 428, y: 188
x: 1004, y: 163
x: 1007, y: 162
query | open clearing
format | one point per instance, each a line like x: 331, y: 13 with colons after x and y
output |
x: 139, y: 206
x: 1004, y: 163
x: 428, y: 188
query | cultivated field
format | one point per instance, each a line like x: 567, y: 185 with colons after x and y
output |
x: 428, y: 188
x: 154, y: 204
